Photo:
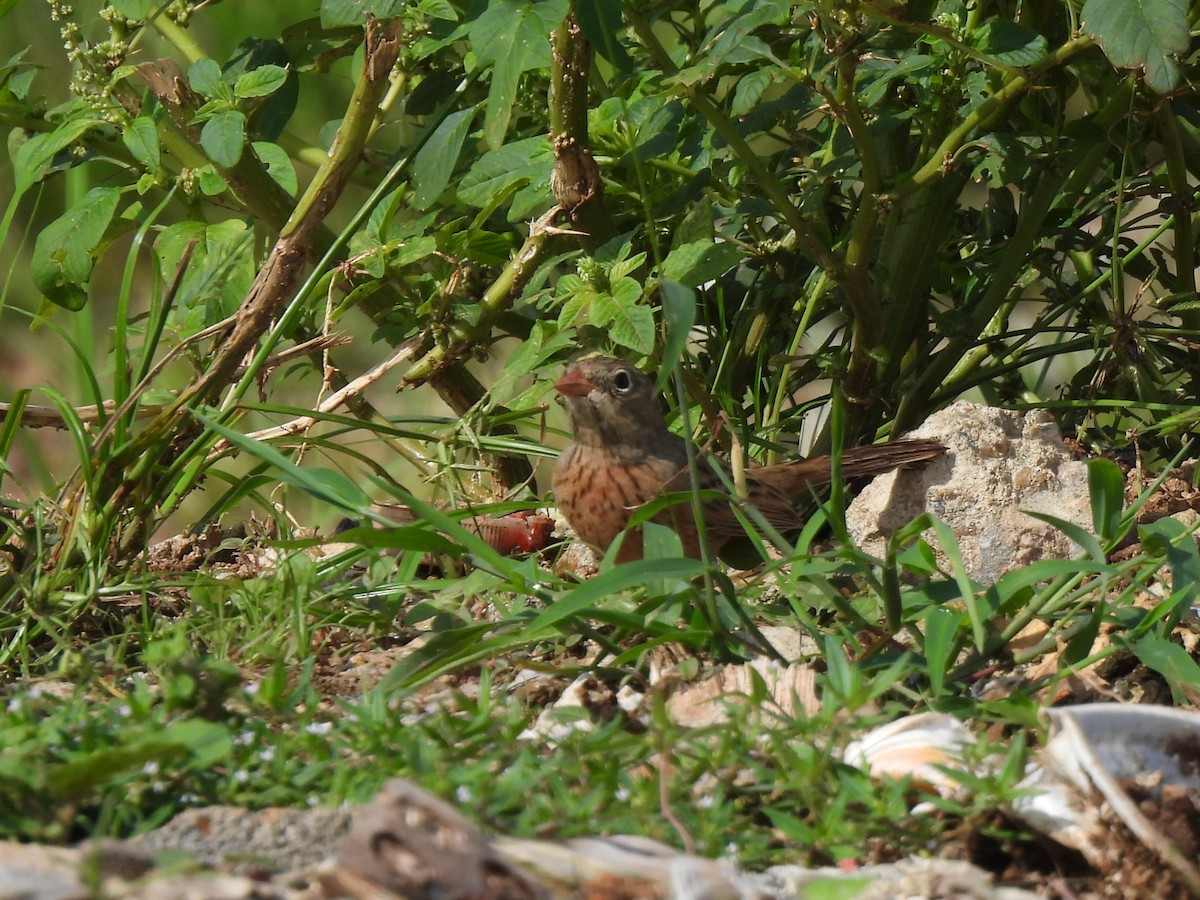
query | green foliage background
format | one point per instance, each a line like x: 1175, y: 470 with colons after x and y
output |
x: 788, y: 208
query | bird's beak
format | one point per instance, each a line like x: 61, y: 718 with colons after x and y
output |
x: 573, y: 384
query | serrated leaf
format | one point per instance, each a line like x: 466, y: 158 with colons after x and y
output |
x: 435, y: 162
x: 629, y: 324
x: 204, y: 75
x: 66, y: 250
x: 694, y: 264
x: 223, y: 137
x: 1145, y: 34
x: 279, y: 165
x: 141, y: 139
x: 260, y: 82
x: 511, y: 36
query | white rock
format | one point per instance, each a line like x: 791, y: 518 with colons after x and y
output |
x: 998, y: 463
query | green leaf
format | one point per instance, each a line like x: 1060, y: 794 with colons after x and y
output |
x: 218, y: 277
x: 204, y: 75
x: 325, y: 484
x: 749, y: 91
x: 679, y: 315
x: 435, y: 162
x: 1106, y: 488
x: 260, y: 82
x: 1009, y: 43
x: 32, y: 158
x: 632, y: 324
x: 522, y: 161
x: 1170, y: 537
x: 1079, y: 535
x: 1141, y: 34
x: 223, y: 137
x: 1172, y: 662
x: 600, y: 21
x: 279, y: 165
x: 511, y: 36
x: 141, y: 139
x: 580, y: 600
x: 941, y: 631
x: 694, y: 264
x: 67, y: 249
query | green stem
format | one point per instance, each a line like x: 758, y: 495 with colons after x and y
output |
x: 990, y: 110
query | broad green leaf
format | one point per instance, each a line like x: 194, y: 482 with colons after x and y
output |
x: 32, y: 158
x: 626, y: 291
x: 204, y: 75
x: 141, y: 139
x: 435, y: 162
x: 1106, y: 488
x: 526, y: 160
x: 210, y: 181
x: 438, y: 9
x: 694, y: 264
x: 1171, y: 661
x: 223, y: 137
x: 630, y: 324
x: 511, y: 36
x: 1141, y: 34
x: 941, y: 630
x: 67, y: 249
x: 749, y: 90
x: 1009, y: 43
x: 218, y: 277
x: 260, y: 82
x: 679, y: 315
x: 279, y: 165
x: 1169, y: 537
x: 622, y: 267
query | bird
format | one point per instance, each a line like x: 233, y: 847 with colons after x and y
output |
x: 622, y: 455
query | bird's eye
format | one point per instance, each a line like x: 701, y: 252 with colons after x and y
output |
x: 623, y: 381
